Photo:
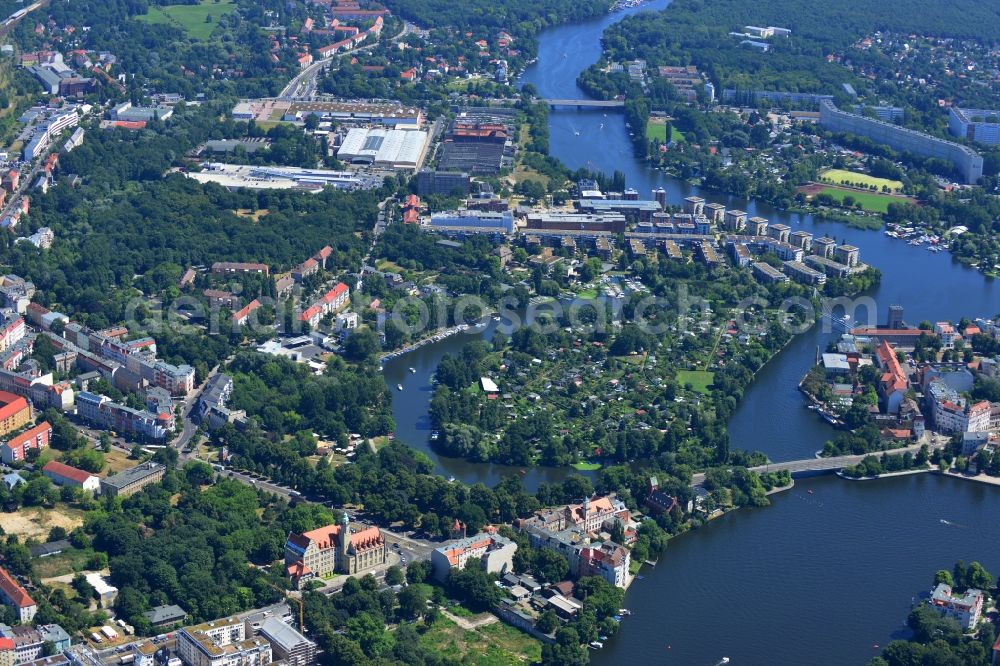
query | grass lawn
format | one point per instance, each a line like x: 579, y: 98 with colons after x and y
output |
x: 496, y: 644
x: 586, y: 466
x: 700, y: 380
x: 198, y: 21
x: 870, y: 201
x: 656, y: 129
x: 252, y: 215
x: 838, y: 176
x: 59, y: 565
x: 588, y: 294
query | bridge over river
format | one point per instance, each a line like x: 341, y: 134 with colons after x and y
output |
x: 585, y: 103
x: 818, y: 466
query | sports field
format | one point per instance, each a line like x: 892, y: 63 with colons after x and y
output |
x: 198, y: 21
x: 840, y: 176
x: 657, y: 130
x: 870, y: 201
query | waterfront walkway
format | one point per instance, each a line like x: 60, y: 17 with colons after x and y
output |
x: 817, y: 466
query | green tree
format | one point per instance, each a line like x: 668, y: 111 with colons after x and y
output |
x: 412, y: 602
x: 551, y: 566
x: 944, y: 576
x: 547, y: 622
x: 369, y: 632
x: 394, y: 576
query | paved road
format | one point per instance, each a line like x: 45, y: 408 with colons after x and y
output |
x: 822, y: 464
x: 303, y: 84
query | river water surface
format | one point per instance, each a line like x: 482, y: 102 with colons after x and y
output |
x: 816, y: 578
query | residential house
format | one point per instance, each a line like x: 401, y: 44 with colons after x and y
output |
x: 965, y: 609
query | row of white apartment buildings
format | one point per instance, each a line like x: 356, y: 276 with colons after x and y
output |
x: 49, y: 130
x: 576, y: 530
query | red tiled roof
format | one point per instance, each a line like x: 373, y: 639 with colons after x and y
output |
x: 245, y: 311
x: 12, y: 404
x: 12, y: 590
x: 909, y: 332
x: 894, y: 379
x: 332, y: 295
x: 66, y: 471
x: 6, y: 644
x: 309, y: 313
x: 29, y: 435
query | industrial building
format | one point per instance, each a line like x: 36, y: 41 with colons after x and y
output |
x: 236, y: 176
x: 442, y: 182
x: 966, y: 161
x: 473, y: 221
x: 125, y: 111
x: 394, y: 148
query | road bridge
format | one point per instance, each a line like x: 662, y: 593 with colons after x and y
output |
x: 585, y: 103
x: 819, y: 466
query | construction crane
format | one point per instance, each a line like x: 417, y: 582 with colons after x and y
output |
x: 302, y: 606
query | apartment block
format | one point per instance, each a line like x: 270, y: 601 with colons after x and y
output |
x: 15, y: 596
x: 965, y: 160
x: 222, y: 643
x: 15, y: 412
x: 16, y: 448
x: 287, y: 644
x: 495, y: 552
x: 29, y: 642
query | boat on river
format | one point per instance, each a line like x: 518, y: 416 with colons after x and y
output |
x: 399, y: 387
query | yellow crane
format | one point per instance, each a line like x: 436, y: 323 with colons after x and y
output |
x: 302, y: 606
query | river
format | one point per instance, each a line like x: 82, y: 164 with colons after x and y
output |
x: 816, y: 578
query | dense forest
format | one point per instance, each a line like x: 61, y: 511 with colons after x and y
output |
x: 515, y: 16
x: 286, y: 398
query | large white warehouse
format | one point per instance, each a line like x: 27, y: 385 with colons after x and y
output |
x: 400, y: 149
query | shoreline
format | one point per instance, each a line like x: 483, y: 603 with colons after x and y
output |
x: 982, y: 479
